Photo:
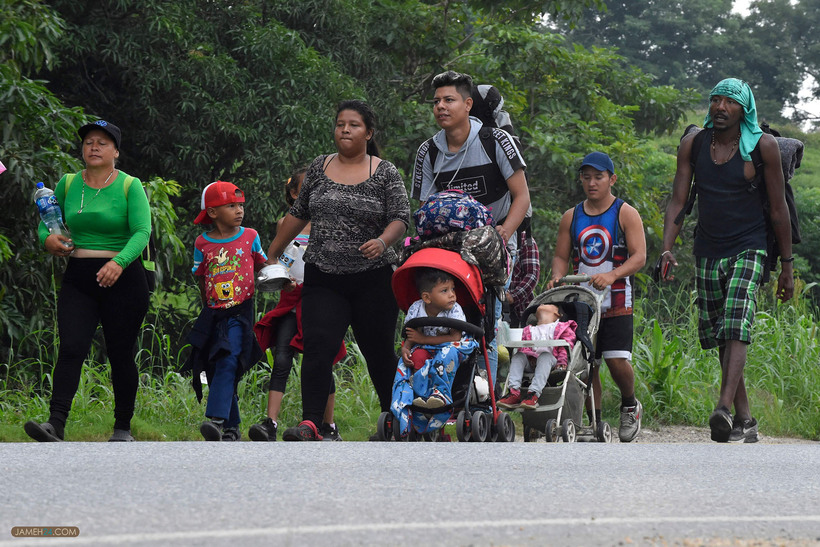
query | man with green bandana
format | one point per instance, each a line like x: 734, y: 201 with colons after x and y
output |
x: 730, y: 240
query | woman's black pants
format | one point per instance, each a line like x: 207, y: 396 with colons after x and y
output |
x: 81, y: 307
x: 331, y: 303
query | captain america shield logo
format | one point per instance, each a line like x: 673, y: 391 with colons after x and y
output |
x: 595, y: 243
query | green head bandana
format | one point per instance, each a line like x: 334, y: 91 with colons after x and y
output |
x: 742, y: 93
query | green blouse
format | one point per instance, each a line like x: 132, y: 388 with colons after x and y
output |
x: 111, y: 220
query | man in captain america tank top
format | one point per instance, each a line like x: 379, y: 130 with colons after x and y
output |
x: 604, y: 236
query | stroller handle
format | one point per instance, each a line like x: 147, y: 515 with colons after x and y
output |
x: 579, y: 278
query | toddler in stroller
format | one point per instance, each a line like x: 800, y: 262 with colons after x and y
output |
x: 544, y: 359
x: 559, y: 413
x: 453, y: 367
x: 430, y: 354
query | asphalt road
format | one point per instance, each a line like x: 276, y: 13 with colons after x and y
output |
x: 199, y: 493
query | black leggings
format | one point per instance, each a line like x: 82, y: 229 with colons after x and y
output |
x: 331, y: 303
x: 283, y: 354
x: 81, y: 307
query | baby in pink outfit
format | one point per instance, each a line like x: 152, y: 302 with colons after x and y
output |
x: 543, y: 359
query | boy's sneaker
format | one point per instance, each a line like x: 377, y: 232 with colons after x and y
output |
x: 211, y: 430
x: 531, y: 401
x: 630, y: 422
x: 231, y: 434
x: 511, y: 401
x: 744, y: 431
x: 436, y: 400
x: 263, y: 431
x: 42, y: 432
x: 330, y: 432
x: 305, y: 431
x: 420, y: 402
x: 720, y: 422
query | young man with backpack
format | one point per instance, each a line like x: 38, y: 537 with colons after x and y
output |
x: 483, y: 162
x: 604, y: 237
x: 730, y: 239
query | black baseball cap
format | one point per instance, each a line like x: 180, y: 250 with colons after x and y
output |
x: 102, y: 125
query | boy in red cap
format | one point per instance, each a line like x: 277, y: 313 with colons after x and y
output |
x: 225, y: 262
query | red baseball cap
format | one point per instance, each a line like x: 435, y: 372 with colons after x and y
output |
x: 216, y: 194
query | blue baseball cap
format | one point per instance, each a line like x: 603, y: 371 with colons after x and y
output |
x: 105, y: 126
x: 599, y: 161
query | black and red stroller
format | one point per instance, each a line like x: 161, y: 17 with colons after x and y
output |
x: 477, y: 417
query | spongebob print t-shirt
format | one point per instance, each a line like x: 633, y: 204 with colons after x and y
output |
x: 228, y: 266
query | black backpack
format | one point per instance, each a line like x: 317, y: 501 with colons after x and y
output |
x: 791, y: 153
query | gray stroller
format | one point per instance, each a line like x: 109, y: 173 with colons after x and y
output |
x: 560, y: 411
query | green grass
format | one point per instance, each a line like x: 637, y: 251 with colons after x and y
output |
x: 808, y: 175
x: 676, y: 381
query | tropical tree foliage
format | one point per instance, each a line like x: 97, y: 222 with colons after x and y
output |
x: 696, y: 43
x: 245, y: 91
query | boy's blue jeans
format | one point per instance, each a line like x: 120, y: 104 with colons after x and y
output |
x: 223, y: 401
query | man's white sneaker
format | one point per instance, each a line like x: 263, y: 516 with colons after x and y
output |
x: 630, y: 422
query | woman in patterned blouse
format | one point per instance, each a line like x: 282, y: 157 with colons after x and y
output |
x: 358, y: 207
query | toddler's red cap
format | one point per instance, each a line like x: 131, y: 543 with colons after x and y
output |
x: 216, y: 194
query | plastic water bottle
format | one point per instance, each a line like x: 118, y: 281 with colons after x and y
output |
x: 290, y: 254
x: 50, y: 212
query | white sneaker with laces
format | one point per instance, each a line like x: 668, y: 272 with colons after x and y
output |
x: 630, y: 422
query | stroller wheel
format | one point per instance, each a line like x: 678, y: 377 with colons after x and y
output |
x: 604, y: 432
x: 493, y: 434
x: 463, y: 427
x: 384, y: 427
x: 480, y: 426
x: 568, y: 431
x: 505, y: 428
x: 551, y: 430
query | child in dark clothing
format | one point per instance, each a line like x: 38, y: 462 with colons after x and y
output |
x: 225, y: 260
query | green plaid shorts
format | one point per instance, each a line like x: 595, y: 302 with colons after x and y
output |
x: 726, y: 296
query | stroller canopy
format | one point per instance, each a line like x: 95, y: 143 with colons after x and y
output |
x: 469, y: 288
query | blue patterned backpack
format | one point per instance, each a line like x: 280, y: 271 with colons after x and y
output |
x: 449, y: 211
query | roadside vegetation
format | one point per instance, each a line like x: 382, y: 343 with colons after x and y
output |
x: 675, y: 380
x: 199, y: 99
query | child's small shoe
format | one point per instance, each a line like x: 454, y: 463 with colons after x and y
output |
x: 436, y: 400
x: 511, y: 401
x: 211, y: 430
x: 330, y: 432
x: 231, y: 434
x: 531, y: 402
x: 420, y: 402
x: 263, y: 431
